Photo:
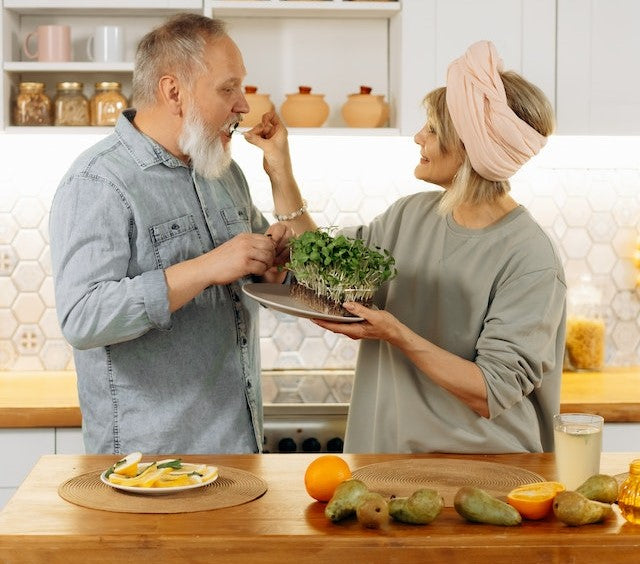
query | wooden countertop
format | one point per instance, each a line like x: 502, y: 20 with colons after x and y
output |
x: 286, y: 525
x: 50, y: 399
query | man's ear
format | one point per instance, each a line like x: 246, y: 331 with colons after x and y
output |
x: 170, y: 94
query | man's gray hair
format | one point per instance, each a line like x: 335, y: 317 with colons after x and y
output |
x: 175, y: 48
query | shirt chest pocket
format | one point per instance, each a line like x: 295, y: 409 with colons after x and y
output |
x: 236, y: 220
x: 176, y: 240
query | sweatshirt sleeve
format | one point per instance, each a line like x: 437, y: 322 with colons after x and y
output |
x: 98, y: 303
x: 517, y: 345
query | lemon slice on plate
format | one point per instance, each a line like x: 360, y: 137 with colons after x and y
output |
x: 210, y: 473
x: 128, y: 466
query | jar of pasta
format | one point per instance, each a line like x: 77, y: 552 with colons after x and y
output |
x: 107, y: 103
x: 71, y: 107
x: 585, y: 326
x: 33, y: 106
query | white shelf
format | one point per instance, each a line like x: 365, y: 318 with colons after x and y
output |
x: 45, y: 129
x: 96, y: 7
x: 344, y: 131
x: 332, y: 45
x: 17, y: 67
x: 302, y: 8
x: 324, y: 131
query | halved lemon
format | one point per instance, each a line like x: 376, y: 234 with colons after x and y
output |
x: 534, y: 501
x: 128, y: 466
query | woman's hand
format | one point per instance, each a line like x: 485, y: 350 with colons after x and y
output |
x: 271, y: 136
x: 463, y: 378
x: 377, y: 324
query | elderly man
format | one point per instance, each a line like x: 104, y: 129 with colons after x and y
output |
x: 153, y: 234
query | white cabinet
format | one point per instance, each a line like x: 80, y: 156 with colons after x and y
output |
x: 19, y: 17
x: 22, y: 448
x: 598, y: 67
x: 523, y: 33
x: 332, y: 45
x: 620, y: 437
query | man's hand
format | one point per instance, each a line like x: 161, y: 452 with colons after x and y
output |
x: 280, y: 233
x: 245, y: 254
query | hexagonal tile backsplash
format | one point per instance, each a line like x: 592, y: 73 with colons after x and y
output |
x: 591, y: 211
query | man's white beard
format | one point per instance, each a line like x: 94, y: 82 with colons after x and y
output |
x: 209, y: 157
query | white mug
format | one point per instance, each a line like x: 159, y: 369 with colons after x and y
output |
x: 106, y: 45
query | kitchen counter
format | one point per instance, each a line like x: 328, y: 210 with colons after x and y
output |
x: 285, y: 524
x: 50, y: 399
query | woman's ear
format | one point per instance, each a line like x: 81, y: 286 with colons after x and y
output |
x: 170, y: 94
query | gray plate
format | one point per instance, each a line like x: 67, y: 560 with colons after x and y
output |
x: 276, y: 296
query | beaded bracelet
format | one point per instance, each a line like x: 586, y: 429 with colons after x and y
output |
x: 293, y: 214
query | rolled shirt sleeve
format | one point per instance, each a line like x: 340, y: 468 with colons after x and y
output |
x: 98, y: 299
x: 517, y: 345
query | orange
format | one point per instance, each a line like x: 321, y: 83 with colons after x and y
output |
x: 323, y: 476
x: 534, y: 501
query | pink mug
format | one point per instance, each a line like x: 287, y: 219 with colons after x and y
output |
x: 54, y: 43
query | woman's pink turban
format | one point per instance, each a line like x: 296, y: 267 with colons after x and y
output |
x: 497, y: 141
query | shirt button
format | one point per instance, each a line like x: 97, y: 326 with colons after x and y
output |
x: 248, y: 383
x: 243, y: 341
x: 175, y: 227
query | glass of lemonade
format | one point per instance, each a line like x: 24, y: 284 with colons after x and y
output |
x: 578, y: 439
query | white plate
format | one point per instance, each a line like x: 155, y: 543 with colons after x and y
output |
x: 276, y: 296
x: 155, y: 491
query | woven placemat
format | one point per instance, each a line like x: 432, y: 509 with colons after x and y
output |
x: 401, y: 478
x: 233, y: 487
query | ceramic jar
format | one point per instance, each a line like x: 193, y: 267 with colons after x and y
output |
x: 305, y: 109
x: 365, y: 109
x: 259, y: 104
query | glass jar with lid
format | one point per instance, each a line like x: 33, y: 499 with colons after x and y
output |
x: 70, y: 105
x: 107, y: 103
x: 629, y: 495
x: 33, y: 106
x: 586, y: 328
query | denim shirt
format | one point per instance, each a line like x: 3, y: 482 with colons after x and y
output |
x: 150, y: 380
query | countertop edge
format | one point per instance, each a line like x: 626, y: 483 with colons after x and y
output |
x: 50, y: 399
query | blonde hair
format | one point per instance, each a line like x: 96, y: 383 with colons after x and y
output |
x: 175, y: 48
x: 527, y: 101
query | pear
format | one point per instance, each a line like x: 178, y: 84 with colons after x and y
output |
x: 600, y: 487
x: 373, y: 511
x: 475, y: 504
x: 345, y: 499
x: 422, y: 507
x: 573, y: 508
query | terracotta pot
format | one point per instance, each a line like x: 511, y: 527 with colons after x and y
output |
x: 305, y: 109
x: 259, y: 104
x: 365, y: 109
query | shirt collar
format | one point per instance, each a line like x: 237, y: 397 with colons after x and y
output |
x: 145, y: 151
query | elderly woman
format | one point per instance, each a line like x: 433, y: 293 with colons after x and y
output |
x: 465, y: 351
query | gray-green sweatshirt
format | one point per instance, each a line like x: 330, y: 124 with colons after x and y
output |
x: 495, y: 296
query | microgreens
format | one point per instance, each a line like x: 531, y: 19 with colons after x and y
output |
x: 339, y: 268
